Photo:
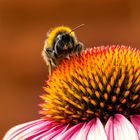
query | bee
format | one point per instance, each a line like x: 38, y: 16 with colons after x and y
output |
x: 60, y: 43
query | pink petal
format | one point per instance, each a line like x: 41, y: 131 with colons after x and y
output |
x: 135, y: 119
x: 60, y: 134
x: 48, y: 135
x: 96, y: 131
x: 119, y: 128
x: 27, y: 130
x: 82, y: 134
x: 70, y: 132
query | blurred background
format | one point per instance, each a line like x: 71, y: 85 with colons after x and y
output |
x: 23, y: 27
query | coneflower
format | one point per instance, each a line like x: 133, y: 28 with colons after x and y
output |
x: 91, y: 96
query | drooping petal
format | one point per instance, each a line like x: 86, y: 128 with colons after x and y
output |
x: 92, y: 130
x: 119, y: 128
x: 13, y: 132
x: 48, y: 135
x: 84, y: 131
x: 135, y: 119
x: 60, y: 134
x: 27, y: 130
x: 70, y: 132
x: 97, y: 131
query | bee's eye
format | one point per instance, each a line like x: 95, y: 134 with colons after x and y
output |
x: 65, y: 37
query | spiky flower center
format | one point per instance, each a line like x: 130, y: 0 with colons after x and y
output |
x: 100, y: 82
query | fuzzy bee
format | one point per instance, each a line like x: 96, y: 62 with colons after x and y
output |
x: 61, y: 43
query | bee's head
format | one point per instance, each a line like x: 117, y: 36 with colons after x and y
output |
x: 63, y: 42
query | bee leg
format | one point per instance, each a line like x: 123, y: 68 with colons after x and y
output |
x: 50, y: 68
x: 50, y: 58
x: 78, y: 48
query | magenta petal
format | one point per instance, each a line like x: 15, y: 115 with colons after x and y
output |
x: 48, y: 135
x: 109, y: 127
x: 96, y: 131
x: 70, y: 132
x: 77, y: 135
x: 119, y: 128
x: 82, y: 134
x: 92, y: 130
x: 135, y: 119
x: 13, y: 132
x: 27, y: 129
x: 60, y: 134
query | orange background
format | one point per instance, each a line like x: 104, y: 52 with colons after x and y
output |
x: 23, y: 27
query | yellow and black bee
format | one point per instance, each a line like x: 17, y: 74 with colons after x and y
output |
x: 61, y: 43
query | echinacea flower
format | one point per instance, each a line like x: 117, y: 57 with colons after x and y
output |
x: 91, y: 96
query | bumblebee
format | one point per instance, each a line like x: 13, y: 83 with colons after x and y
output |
x: 60, y: 43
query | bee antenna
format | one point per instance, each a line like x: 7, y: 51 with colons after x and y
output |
x: 76, y: 28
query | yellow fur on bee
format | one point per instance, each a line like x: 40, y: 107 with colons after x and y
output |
x: 53, y: 33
